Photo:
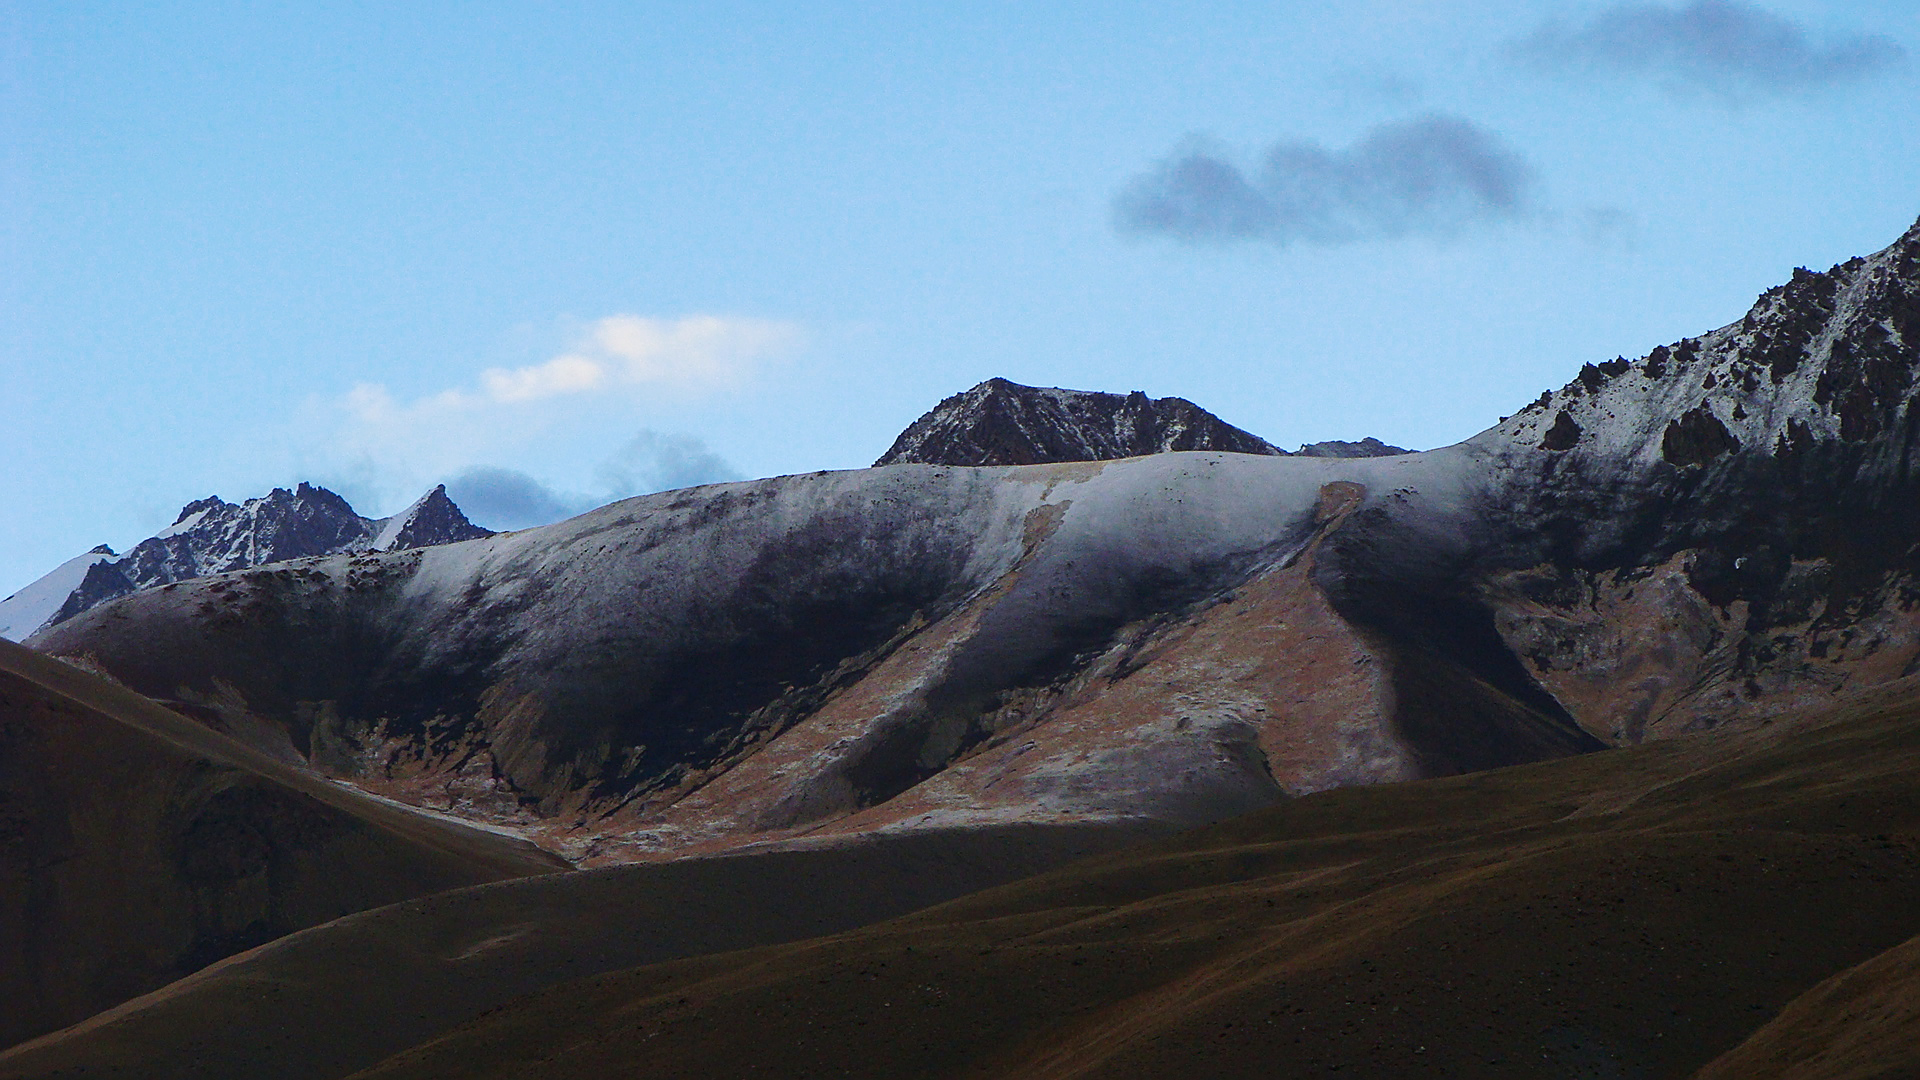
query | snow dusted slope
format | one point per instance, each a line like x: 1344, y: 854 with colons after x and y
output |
x: 1723, y: 531
x: 29, y: 609
x: 912, y: 645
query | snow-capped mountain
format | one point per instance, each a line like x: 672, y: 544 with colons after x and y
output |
x: 212, y: 536
x: 30, y: 608
x: 1723, y: 532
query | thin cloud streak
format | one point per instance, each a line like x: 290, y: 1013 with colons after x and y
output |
x: 1712, y: 45
x: 1434, y: 175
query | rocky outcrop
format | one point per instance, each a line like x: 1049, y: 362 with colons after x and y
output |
x: 1342, y: 448
x: 1726, y: 528
x: 1004, y: 423
x: 432, y: 519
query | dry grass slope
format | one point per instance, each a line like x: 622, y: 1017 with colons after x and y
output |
x: 1634, y: 913
x: 137, y: 846
x: 327, y: 1001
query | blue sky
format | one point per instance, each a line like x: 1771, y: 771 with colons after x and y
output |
x: 559, y: 253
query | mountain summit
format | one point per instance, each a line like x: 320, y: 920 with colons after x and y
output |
x: 212, y: 536
x: 1004, y: 423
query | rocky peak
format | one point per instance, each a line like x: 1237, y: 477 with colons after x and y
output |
x: 212, y: 536
x: 432, y: 519
x: 1827, y: 357
x: 197, y: 505
x: 1004, y: 423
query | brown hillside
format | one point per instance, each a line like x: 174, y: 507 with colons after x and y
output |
x: 327, y: 1001
x: 1634, y: 913
x: 1862, y: 1024
x: 137, y: 846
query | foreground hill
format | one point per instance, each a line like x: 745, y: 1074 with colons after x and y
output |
x: 328, y: 1001
x: 1634, y: 913
x: 137, y: 846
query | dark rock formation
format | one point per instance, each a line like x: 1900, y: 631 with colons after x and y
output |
x: 104, y: 581
x: 1004, y: 423
x: 433, y: 519
x: 212, y: 535
x: 1342, y: 448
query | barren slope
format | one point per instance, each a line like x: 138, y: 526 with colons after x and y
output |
x: 327, y: 1001
x: 136, y: 846
x: 1633, y: 913
x: 1862, y: 1024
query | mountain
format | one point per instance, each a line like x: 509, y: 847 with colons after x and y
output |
x: 1726, y: 527
x: 30, y: 608
x: 1584, y: 747
x: 1004, y: 423
x: 1716, y: 534
x: 211, y: 536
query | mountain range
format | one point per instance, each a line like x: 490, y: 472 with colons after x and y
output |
x: 1582, y: 747
x: 211, y: 536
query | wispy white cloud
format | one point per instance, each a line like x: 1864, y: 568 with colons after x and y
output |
x: 692, y: 353
x: 695, y: 353
x: 560, y: 375
x: 632, y: 362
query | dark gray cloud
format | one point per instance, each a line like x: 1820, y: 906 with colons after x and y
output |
x: 509, y: 499
x: 1434, y: 175
x: 656, y: 462
x: 1709, y: 45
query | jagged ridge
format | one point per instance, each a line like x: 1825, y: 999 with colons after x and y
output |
x: 212, y: 536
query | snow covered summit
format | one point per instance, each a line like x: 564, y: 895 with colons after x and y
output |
x: 211, y: 536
